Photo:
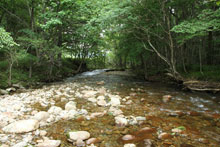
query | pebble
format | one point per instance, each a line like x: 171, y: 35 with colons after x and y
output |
x: 147, y: 142
x: 49, y: 143
x: 129, y: 145
x: 70, y: 106
x: 55, y: 110
x: 80, y: 143
x: 20, y: 144
x: 42, y: 116
x: 164, y: 136
x: 115, y: 101
x: 92, y: 141
x: 177, y: 130
x: 140, y: 118
x: 43, y: 133
x: 128, y: 137
x: 166, y: 98
x: 79, y: 135
x: 4, y: 145
x: 100, y: 83
x: 102, y: 103
x: 121, y: 122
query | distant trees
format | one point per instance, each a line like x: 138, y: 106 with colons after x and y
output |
x: 171, y: 35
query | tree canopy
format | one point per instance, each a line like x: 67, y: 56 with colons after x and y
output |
x: 151, y: 35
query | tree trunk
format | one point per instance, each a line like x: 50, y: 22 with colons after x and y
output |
x: 30, y: 71
x: 10, y: 70
x: 210, y: 49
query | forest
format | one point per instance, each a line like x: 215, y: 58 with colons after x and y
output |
x: 48, y: 40
x: 109, y: 73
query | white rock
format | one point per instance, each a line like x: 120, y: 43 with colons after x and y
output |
x: 22, y: 126
x: 129, y: 102
x: 177, y: 130
x: 128, y: 137
x: 51, y: 119
x: 79, y: 135
x: 115, y: 111
x: 133, y: 120
x: 92, y: 141
x: 63, y: 99
x: 55, y: 110
x: 42, y: 116
x: 82, y: 112
x: 4, y: 145
x: 20, y: 144
x: 3, y: 123
x: 97, y: 114
x: 70, y: 106
x: 34, y: 112
x: 129, y: 145
x: 49, y: 143
x: 93, y: 100
x: 17, y: 107
x: 12, y: 89
x: 115, y: 101
x: 80, y: 142
x: 102, y: 103
x: 89, y: 93
x: 4, y: 138
x: 121, y: 122
x: 43, y: 133
x: 3, y: 92
x: 100, y: 97
x: 72, y: 114
x: 140, y: 118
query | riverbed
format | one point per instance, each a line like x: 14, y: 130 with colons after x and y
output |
x: 116, y: 108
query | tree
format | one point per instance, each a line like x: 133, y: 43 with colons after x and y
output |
x: 8, y: 45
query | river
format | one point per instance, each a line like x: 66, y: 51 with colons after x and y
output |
x: 157, y: 114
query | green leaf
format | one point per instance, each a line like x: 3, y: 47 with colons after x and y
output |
x: 181, y: 128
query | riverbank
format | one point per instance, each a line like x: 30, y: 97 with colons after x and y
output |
x: 39, y: 73
x: 191, y: 81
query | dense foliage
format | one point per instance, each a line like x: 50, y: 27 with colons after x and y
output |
x: 59, y: 37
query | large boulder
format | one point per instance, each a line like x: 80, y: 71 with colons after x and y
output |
x: 22, y: 126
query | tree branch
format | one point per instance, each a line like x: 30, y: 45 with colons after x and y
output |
x: 13, y: 15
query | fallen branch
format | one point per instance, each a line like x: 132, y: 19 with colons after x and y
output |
x: 202, y: 86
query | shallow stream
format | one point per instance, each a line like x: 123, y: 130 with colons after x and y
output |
x: 197, y: 113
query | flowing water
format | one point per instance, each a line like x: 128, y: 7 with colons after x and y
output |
x: 197, y: 113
